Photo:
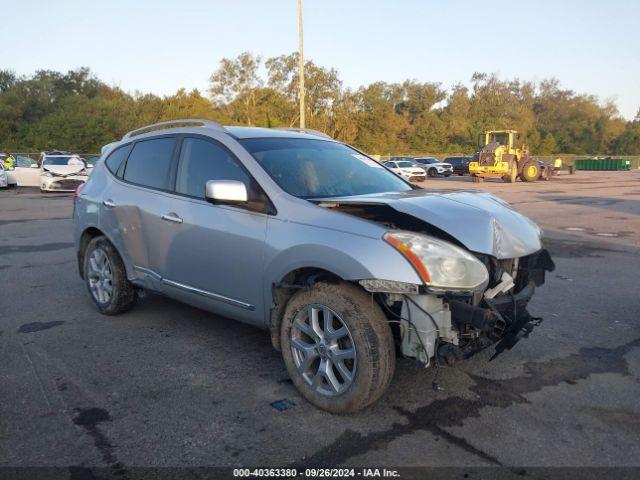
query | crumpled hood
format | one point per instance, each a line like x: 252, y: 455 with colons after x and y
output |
x: 482, y: 222
x: 64, y: 169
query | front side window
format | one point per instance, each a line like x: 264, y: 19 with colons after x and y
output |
x: 309, y: 168
x: 200, y: 161
x: 149, y: 162
x: 24, y: 162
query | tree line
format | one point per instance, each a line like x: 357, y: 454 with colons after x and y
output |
x: 76, y: 111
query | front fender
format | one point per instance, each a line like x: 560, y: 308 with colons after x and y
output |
x: 291, y: 246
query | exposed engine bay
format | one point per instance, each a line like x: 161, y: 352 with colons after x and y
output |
x: 448, y: 326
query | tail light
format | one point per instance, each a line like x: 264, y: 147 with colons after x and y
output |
x: 77, y: 192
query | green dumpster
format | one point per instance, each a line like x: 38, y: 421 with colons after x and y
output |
x: 610, y: 164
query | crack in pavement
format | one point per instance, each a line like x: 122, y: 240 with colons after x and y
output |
x: 453, y: 411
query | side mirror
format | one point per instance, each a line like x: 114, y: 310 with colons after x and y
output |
x: 226, y: 191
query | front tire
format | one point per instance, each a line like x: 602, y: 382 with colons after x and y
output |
x: 530, y: 172
x: 512, y: 176
x: 337, y: 347
x: 106, y: 278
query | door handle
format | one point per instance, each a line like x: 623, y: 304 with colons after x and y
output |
x: 172, y: 217
x: 109, y: 203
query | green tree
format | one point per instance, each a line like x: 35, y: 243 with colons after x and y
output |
x: 238, y: 79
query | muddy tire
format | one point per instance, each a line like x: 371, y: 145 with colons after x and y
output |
x: 106, y: 278
x: 337, y: 347
x: 512, y: 176
x: 530, y: 172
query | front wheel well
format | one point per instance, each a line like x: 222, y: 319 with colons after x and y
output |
x: 282, y: 291
x: 88, y: 235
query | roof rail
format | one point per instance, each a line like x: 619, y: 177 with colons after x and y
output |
x: 310, y: 131
x: 204, y: 123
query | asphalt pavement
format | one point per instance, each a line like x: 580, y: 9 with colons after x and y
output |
x: 170, y: 385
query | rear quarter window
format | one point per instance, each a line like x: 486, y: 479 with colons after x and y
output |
x: 115, y: 158
x: 149, y: 162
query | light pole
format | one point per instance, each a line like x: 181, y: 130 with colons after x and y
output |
x: 301, y: 65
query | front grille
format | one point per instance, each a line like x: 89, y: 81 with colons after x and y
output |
x: 66, y: 184
x: 487, y: 159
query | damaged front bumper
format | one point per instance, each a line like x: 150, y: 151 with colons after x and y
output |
x: 451, y: 327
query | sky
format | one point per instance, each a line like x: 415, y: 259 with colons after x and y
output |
x: 159, y: 46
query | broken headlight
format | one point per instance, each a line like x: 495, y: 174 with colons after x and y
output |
x: 440, y: 264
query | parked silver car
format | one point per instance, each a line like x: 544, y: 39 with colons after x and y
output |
x: 346, y: 264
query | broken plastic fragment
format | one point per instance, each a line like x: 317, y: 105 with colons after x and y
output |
x: 282, y: 405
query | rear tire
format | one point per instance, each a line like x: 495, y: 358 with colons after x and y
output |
x: 432, y: 172
x: 106, y: 278
x: 366, y: 354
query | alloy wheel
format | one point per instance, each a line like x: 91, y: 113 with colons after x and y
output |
x: 100, y: 276
x: 323, y: 350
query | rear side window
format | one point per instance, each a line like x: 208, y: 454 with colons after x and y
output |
x: 200, y: 161
x: 115, y: 159
x: 150, y: 161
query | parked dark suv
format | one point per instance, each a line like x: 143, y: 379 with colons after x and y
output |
x: 460, y: 164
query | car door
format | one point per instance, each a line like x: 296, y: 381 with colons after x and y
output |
x: 131, y: 201
x: 25, y: 172
x: 208, y: 254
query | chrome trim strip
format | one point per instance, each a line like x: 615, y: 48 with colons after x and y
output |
x: 204, y: 293
x: 147, y: 271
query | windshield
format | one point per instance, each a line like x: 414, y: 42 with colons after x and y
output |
x: 405, y: 164
x: 427, y: 160
x: 62, y: 160
x: 502, y: 138
x: 310, y: 168
x: 91, y: 160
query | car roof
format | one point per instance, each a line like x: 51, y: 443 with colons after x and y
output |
x: 237, y: 132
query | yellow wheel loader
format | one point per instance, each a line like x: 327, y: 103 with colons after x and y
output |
x: 498, y: 157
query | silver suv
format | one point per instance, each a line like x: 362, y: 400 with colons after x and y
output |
x: 343, y: 262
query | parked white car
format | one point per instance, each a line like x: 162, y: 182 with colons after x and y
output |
x: 406, y: 170
x: 62, y: 172
x: 4, y: 179
x: 7, y: 179
x: 433, y: 167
